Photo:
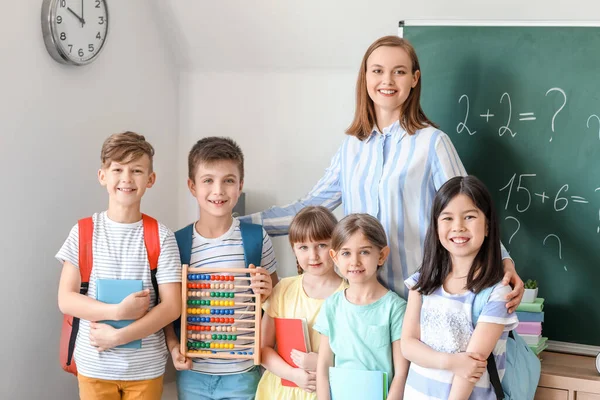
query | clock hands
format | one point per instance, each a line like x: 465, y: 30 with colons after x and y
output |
x: 77, y: 16
x: 82, y: 20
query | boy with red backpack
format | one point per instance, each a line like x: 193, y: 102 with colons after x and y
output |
x: 119, y: 246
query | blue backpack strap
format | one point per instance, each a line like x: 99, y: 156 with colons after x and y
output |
x: 184, y: 242
x: 252, y: 240
x: 184, y: 238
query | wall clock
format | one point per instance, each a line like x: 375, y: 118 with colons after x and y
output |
x: 74, y: 30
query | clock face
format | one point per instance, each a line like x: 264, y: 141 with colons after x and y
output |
x: 74, y: 30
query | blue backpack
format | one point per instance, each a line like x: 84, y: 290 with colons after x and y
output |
x: 523, y: 368
x: 252, y: 240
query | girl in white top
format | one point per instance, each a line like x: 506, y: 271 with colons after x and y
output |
x: 462, y: 257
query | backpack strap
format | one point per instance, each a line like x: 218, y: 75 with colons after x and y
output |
x: 86, y: 261
x: 184, y: 238
x: 252, y: 240
x: 86, y: 257
x: 152, y: 242
x: 481, y: 299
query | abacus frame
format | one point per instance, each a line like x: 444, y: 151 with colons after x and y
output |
x: 184, y: 314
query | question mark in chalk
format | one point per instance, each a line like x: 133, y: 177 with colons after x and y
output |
x: 598, y: 229
x: 516, y: 230
x: 588, y: 124
x: 561, y: 107
x: 559, y: 246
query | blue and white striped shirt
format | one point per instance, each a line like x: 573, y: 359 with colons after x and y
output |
x: 391, y: 175
x: 446, y: 326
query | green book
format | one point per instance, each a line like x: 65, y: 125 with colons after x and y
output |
x: 536, y: 306
x: 541, y: 346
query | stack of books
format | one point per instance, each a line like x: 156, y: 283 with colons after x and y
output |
x: 531, y: 316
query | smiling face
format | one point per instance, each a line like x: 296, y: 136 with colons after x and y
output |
x: 126, y: 183
x: 389, y: 78
x: 358, y: 259
x: 313, y: 256
x: 216, y: 187
x: 462, y: 228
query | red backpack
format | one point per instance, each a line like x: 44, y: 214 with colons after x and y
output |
x: 70, y: 326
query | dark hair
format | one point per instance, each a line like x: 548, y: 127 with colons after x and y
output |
x: 366, y: 224
x: 312, y: 223
x: 214, y: 149
x: 412, y: 117
x: 487, y: 267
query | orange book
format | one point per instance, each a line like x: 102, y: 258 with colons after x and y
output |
x: 291, y: 334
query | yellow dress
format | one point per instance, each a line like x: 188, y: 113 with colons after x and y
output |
x: 289, y: 300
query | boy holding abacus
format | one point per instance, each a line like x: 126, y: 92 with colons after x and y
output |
x: 215, y: 179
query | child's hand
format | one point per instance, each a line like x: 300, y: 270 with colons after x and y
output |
x: 469, y: 366
x: 103, y: 336
x: 180, y: 362
x: 306, y: 381
x: 134, y: 306
x: 306, y: 361
x: 261, y: 282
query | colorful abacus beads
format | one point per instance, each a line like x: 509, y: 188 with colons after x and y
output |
x: 200, y: 293
x: 210, y: 345
x: 214, y: 320
x: 212, y: 328
x: 205, y: 277
x: 211, y: 311
x: 215, y: 303
x: 211, y: 286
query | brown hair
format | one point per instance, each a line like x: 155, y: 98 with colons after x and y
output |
x: 124, y: 148
x: 312, y: 223
x: 366, y: 224
x: 213, y: 149
x: 412, y: 116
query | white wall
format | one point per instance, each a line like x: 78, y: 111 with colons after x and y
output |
x: 53, y: 120
x: 279, y: 78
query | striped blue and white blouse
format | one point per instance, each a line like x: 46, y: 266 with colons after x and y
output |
x: 447, y: 326
x: 391, y: 175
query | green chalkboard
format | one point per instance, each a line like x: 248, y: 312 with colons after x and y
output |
x: 522, y: 107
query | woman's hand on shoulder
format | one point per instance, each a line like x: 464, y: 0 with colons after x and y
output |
x: 469, y: 366
x: 511, y: 277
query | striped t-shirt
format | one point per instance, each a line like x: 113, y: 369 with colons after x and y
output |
x: 447, y: 326
x: 119, y: 253
x: 227, y: 251
x: 392, y: 176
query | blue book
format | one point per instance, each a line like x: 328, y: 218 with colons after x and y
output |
x: 530, y: 316
x: 357, y: 384
x: 113, y: 291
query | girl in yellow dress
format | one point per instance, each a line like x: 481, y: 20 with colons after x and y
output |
x: 300, y: 297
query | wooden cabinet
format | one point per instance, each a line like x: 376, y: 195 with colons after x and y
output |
x: 568, y: 377
x: 587, y: 396
x: 551, y: 394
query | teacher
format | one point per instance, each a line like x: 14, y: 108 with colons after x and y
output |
x: 390, y: 165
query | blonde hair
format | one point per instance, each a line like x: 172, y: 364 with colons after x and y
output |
x: 412, y: 117
x: 124, y: 148
x: 366, y: 224
x: 312, y: 223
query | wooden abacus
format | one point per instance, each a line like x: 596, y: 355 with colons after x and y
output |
x: 210, y: 330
